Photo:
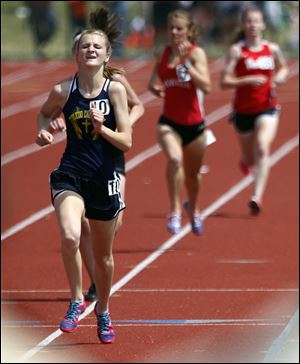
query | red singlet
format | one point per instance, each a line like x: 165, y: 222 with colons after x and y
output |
x: 251, y: 99
x: 183, y: 101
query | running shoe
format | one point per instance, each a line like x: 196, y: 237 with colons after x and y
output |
x: 197, y: 224
x: 204, y: 169
x: 91, y: 294
x: 196, y: 220
x: 245, y: 169
x: 70, y: 321
x: 174, y: 223
x: 255, y: 206
x: 105, y: 331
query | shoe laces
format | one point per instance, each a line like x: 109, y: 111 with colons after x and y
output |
x: 72, y: 311
x: 104, y: 323
x: 174, y: 219
x: 197, y: 220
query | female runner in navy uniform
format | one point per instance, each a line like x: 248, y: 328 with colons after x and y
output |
x: 86, y: 183
x: 100, y: 19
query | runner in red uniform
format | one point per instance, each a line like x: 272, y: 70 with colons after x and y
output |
x: 180, y: 75
x: 254, y: 67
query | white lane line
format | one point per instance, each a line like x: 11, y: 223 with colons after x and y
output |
x: 35, y: 290
x: 280, y: 341
x: 152, y: 323
x: 132, y: 163
x: 30, y: 71
x: 205, y: 324
x: 139, y: 158
x: 29, y: 149
x: 243, y: 261
x: 226, y: 197
x: 205, y: 290
x: 40, y: 69
x: 37, y: 101
x: 26, y: 105
x: 146, y: 98
x: 159, y: 290
x: 26, y: 222
x: 33, y: 148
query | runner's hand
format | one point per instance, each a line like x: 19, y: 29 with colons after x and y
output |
x: 44, y: 138
x: 57, y: 125
x: 97, y: 119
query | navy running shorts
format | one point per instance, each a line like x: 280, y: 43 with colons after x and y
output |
x: 102, y: 198
x: 120, y: 162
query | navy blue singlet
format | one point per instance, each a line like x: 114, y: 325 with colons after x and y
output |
x: 87, y: 154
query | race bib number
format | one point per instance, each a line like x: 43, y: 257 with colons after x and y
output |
x: 102, y: 105
x: 182, y: 73
x: 114, y: 187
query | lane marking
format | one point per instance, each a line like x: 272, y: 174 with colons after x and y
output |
x: 226, y: 197
x: 146, y: 97
x: 37, y: 101
x: 132, y: 163
x: 195, y: 322
x: 243, y: 261
x: 26, y: 222
x: 232, y: 192
x: 280, y: 341
x: 138, y: 323
x: 29, y: 149
x: 32, y: 148
x: 26, y: 72
x: 40, y: 69
x: 21, y: 106
x: 143, y: 290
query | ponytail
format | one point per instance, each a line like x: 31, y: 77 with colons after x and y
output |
x: 240, y: 35
x: 109, y: 71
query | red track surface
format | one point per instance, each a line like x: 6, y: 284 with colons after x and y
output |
x: 242, y: 272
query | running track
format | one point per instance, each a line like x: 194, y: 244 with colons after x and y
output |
x: 230, y: 295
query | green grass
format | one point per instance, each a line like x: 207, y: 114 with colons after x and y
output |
x: 17, y: 38
x: 16, y: 35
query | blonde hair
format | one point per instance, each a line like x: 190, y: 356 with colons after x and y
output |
x: 193, y: 37
x: 106, y: 26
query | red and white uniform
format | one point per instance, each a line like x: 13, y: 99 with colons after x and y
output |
x: 183, y: 100
x: 251, y: 99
